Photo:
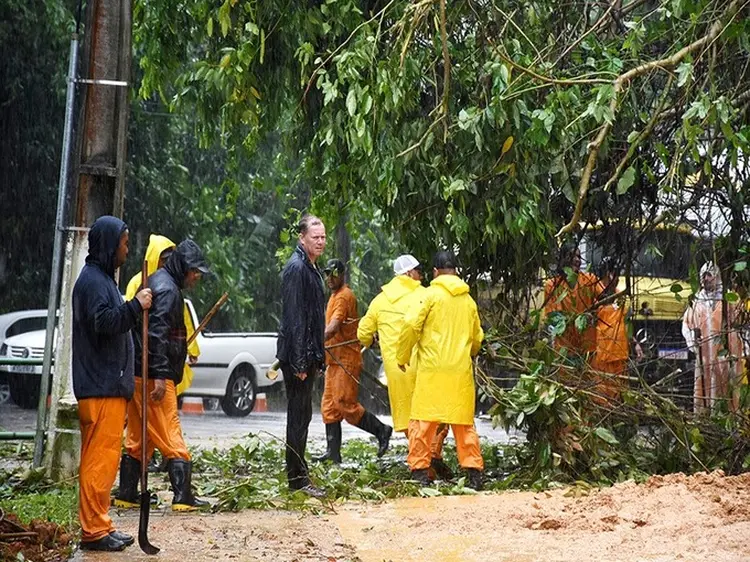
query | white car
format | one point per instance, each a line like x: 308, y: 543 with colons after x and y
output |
x: 232, y: 367
x: 24, y: 380
x: 12, y: 324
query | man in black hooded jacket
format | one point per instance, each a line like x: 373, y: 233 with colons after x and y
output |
x: 300, y: 344
x: 102, y: 376
x: 167, y: 351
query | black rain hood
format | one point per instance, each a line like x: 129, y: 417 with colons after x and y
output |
x: 186, y: 256
x: 104, y: 239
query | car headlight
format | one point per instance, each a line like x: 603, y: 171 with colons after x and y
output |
x: 3, y: 349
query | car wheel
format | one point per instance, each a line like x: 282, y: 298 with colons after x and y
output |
x: 24, y: 390
x: 242, y: 391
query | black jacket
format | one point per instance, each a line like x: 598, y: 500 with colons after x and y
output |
x: 300, y: 341
x: 167, y: 341
x: 102, y: 344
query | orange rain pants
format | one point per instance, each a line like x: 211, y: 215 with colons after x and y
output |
x: 341, y: 395
x: 441, y: 433
x: 102, y: 423
x: 164, y: 429
x: 422, y: 438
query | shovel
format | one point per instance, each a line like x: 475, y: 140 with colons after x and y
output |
x: 143, y: 542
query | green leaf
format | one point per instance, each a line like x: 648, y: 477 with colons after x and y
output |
x: 582, y: 322
x: 606, y: 435
x: 351, y: 102
x: 626, y: 181
x: 633, y: 136
x: 740, y: 266
x: 676, y: 288
x: 224, y: 19
x: 732, y: 297
x: 684, y: 73
x: 210, y: 27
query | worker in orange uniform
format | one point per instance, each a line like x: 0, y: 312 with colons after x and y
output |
x: 167, y: 352
x: 384, y: 319
x: 158, y: 250
x: 103, y: 378
x: 343, y: 368
x: 707, y: 333
x: 612, y: 344
x: 572, y: 292
x: 444, y: 327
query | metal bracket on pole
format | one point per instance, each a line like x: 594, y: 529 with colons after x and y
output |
x: 119, y: 83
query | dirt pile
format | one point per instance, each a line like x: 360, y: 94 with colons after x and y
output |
x: 705, y: 517
x: 699, y: 518
x: 40, y: 541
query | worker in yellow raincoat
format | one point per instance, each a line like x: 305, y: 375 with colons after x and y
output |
x: 384, y: 319
x: 157, y: 252
x: 445, y: 330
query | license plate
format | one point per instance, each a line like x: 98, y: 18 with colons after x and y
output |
x: 21, y: 368
x: 673, y: 354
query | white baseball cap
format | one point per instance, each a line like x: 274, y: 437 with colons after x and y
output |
x: 404, y: 264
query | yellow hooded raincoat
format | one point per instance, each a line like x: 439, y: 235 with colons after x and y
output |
x: 446, y: 332
x: 386, y: 317
x: 156, y: 245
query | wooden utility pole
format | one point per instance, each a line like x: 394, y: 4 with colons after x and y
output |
x: 96, y: 186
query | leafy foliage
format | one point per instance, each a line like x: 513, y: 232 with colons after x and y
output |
x: 252, y: 476
x: 469, y: 124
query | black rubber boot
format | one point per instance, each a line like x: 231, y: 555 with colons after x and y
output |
x: 106, y: 544
x: 181, y: 476
x: 333, y: 444
x: 475, y: 479
x: 130, y: 472
x: 421, y: 477
x: 124, y: 538
x: 371, y: 424
x: 442, y: 470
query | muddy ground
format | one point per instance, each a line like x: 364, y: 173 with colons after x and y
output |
x: 703, y: 518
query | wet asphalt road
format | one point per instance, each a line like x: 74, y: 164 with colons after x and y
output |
x: 215, y: 429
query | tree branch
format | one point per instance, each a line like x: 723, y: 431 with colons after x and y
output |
x: 446, y: 69
x: 641, y: 137
x: 620, y: 84
x: 548, y: 80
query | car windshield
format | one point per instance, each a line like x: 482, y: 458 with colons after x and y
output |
x: 663, y: 253
x: 24, y: 325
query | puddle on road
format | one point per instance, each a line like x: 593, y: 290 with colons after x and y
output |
x: 405, y: 530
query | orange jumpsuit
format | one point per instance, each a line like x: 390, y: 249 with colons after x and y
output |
x: 343, y: 364
x: 716, y: 373
x: 573, y: 301
x: 164, y: 429
x: 102, y: 423
x: 612, y: 349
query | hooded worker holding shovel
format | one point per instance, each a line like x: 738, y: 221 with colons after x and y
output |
x: 103, y: 376
x: 158, y: 250
x: 167, y: 351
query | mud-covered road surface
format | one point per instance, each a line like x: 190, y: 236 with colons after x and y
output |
x: 701, y: 518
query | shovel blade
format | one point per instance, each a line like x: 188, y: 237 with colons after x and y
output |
x: 143, y: 542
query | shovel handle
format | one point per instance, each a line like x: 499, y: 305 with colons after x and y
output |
x: 143, y: 541
x: 206, y: 319
x: 144, y: 381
